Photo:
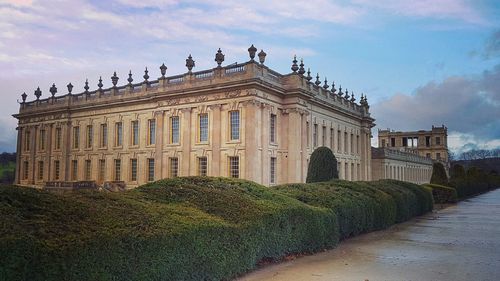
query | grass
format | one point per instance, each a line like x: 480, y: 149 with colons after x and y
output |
x: 194, y: 228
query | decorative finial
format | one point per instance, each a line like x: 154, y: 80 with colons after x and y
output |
x: 325, y: 86
x: 38, y: 93
x: 366, y: 102
x: 309, y: 77
x: 301, y: 69
x: 24, y: 96
x: 219, y: 57
x: 262, y: 56
x: 353, y: 99
x: 163, y: 70
x: 86, y: 86
x: 346, y: 94
x: 130, y: 79
x: 340, y: 91
x: 146, y: 76
x: 251, y: 52
x: 333, y: 88
x: 100, y: 83
x: 189, y: 63
x: 317, y: 82
x: 295, y: 67
x: 70, y: 88
x: 53, y: 90
x: 114, y: 79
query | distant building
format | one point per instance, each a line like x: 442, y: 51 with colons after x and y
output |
x: 240, y: 120
x: 432, y: 144
x: 400, y: 164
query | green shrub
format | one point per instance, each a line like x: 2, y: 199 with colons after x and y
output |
x: 474, y: 181
x: 457, y: 172
x: 443, y: 194
x: 322, y: 165
x: 439, y: 174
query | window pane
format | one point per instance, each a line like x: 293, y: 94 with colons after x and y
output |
x: 174, y: 121
x: 42, y: 140
x: 76, y: 137
x: 152, y: 132
x: 102, y: 169
x: 90, y: 136
x: 88, y: 170
x: 133, y: 169
x: 135, y: 132
x: 235, y: 124
x: 104, y: 135
x: 58, y: 138
x: 273, y: 128
x: 203, y: 127
x: 119, y: 134
x: 315, y: 135
x: 202, y: 166
x: 273, y: 170
x: 74, y: 170
x: 151, y: 169
x: 40, y: 170
x: 174, y: 167
x: 234, y: 167
x: 118, y: 164
x: 57, y: 169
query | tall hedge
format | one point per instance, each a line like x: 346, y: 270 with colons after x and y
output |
x: 439, y: 174
x: 457, y: 171
x: 322, y: 166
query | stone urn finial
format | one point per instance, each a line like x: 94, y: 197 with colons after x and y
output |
x: 302, y: 69
x: 333, y: 88
x: 190, y: 63
x: 163, y: 70
x: 219, y: 57
x: 309, y: 77
x: 317, y: 82
x: 100, y: 83
x: 294, y: 67
x: 146, y: 76
x: 251, y: 52
x: 86, y: 86
x: 24, y: 96
x: 114, y: 79
x: 53, y: 90
x: 130, y: 79
x: 340, y: 91
x: 325, y: 85
x: 262, y: 56
x: 70, y: 88
x: 38, y: 93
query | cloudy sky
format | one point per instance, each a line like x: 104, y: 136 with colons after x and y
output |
x: 420, y: 62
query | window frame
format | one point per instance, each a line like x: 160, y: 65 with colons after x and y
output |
x: 234, y: 125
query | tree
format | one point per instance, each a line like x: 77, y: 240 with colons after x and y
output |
x: 322, y: 165
x: 457, y: 171
x: 439, y: 174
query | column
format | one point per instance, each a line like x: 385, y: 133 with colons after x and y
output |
x: 215, y: 130
x: 252, y: 123
x: 18, y: 156
x: 48, y: 152
x: 34, y: 131
x: 186, y: 141
x: 295, y: 134
x: 159, y: 117
x: 66, y: 148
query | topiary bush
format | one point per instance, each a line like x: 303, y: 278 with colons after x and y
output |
x: 457, y: 172
x: 322, y: 166
x: 439, y: 174
x: 443, y: 194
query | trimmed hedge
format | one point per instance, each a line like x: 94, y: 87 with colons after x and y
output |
x: 187, y: 228
x: 322, y: 166
x: 443, y: 194
x: 474, y: 181
x: 439, y: 174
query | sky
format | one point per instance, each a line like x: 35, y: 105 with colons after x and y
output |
x: 420, y: 63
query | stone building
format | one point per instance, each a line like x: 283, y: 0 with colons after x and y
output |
x: 432, y: 144
x: 240, y: 120
x: 400, y: 164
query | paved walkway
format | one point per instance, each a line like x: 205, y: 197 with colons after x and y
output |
x: 461, y: 242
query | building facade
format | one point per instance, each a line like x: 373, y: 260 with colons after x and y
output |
x: 400, y: 164
x: 432, y: 144
x: 242, y: 120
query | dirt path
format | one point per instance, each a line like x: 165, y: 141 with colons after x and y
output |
x: 461, y: 242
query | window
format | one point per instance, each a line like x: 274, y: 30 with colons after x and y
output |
x: 332, y: 138
x: 151, y: 132
x: 272, y: 125
x: 358, y: 172
x: 427, y: 141
x: 174, y: 167
x: 339, y: 168
x: 405, y: 141
x: 102, y: 169
x: 438, y: 156
x: 174, y: 129
x: 42, y: 139
x: 393, y: 142
x: 74, y: 170
x: 133, y: 169
x: 346, y: 170
x: 57, y: 170
x: 119, y: 134
x: 202, y: 166
x: 352, y: 171
x: 203, y: 124
x: 88, y: 169
x: 234, y: 166
x: 58, y: 138
x: 323, y: 136
x: 357, y: 144
x: 25, y: 170
x: 90, y: 136
x: 234, y: 124
x: 428, y: 155
x: 315, y: 135
x: 151, y: 169
x: 135, y: 132
x: 27, y: 140
x: 76, y: 137
x: 118, y: 168
x: 308, y: 131
x: 346, y: 143
x: 438, y: 140
x: 104, y: 135
x: 272, y: 167
x: 352, y: 143
x: 339, y: 136
x: 383, y: 143
x: 40, y: 170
